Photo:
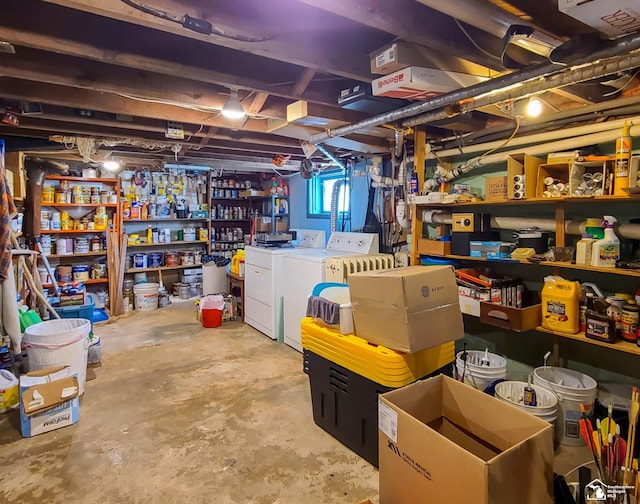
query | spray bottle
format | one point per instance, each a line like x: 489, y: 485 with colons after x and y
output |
x: 606, y: 251
x: 622, y: 162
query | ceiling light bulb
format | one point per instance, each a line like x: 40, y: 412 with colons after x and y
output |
x: 111, y: 165
x: 534, y: 108
x: 233, y: 108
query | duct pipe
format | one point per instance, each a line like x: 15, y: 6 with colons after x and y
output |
x: 542, y: 137
x: 437, y: 217
x: 496, y: 21
x: 600, y: 110
x: 334, y: 204
x: 623, y: 45
x: 534, y: 86
x: 442, y: 175
x: 561, y: 145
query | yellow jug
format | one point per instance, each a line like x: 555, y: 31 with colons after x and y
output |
x: 235, y: 261
x: 560, y: 305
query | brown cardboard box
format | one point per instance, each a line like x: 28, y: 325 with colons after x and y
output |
x: 406, y: 309
x: 495, y: 189
x: 519, y: 165
x: 443, y: 441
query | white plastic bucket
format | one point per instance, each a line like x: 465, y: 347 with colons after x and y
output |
x: 61, y: 342
x: 572, y: 389
x: 546, y: 402
x: 146, y: 296
x: 478, y: 376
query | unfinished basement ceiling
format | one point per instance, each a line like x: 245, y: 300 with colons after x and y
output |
x: 120, y: 69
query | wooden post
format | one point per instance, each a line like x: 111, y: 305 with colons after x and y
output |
x: 419, y: 157
x: 560, y: 223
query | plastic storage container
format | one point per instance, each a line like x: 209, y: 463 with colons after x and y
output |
x: 345, y: 404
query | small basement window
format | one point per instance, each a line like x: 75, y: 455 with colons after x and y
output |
x: 320, y: 191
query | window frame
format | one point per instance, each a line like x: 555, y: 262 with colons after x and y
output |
x: 313, y: 185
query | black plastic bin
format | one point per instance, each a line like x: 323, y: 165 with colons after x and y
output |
x: 345, y: 404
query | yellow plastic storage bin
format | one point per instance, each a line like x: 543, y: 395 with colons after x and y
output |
x: 377, y: 363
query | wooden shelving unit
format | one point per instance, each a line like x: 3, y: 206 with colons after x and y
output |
x: 163, y: 268
x: 559, y: 205
x: 168, y: 221
x: 169, y: 244
x: 552, y: 264
x: 91, y: 281
x: 112, y: 210
x: 620, y: 346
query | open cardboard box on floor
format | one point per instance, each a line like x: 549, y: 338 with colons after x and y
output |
x: 444, y: 441
x: 48, y: 400
x: 406, y: 309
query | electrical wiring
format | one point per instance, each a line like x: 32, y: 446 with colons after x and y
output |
x: 191, y: 23
x: 503, y: 144
x: 475, y: 44
x: 623, y: 87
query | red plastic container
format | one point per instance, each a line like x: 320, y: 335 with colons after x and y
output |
x: 211, y: 318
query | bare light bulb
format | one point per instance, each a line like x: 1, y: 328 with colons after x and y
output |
x: 534, y: 107
x: 233, y: 108
x: 111, y: 165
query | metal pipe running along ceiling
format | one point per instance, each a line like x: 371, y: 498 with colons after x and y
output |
x: 623, y: 47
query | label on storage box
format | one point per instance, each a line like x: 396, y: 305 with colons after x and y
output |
x: 388, y: 421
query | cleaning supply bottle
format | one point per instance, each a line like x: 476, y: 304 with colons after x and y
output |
x: 606, y: 251
x: 622, y: 162
x: 583, y: 250
x: 414, y: 183
x: 560, y: 305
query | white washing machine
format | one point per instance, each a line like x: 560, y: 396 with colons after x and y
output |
x: 263, y: 282
x: 305, y: 270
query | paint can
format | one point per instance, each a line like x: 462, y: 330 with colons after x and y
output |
x: 155, y: 259
x: 80, y: 273
x: 44, y: 275
x: 171, y: 259
x: 45, y: 242
x: 187, y: 259
x: 64, y: 246
x: 64, y: 273
x: 139, y: 261
x: 81, y: 245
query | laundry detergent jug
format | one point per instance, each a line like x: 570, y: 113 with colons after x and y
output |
x: 560, y: 305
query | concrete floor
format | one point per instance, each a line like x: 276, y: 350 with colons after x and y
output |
x: 182, y: 414
x: 178, y: 413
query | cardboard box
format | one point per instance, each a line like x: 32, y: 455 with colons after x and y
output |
x: 406, y: 309
x: 14, y: 163
x: 437, y: 247
x: 416, y: 83
x: 522, y: 165
x: 444, y: 441
x: 559, y: 172
x: 495, y: 188
x: 48, y: 400
x: 611, y: 17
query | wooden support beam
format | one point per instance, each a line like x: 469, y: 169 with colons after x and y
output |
x: 283, y: 44
x: 258, y: 103
x: 419, y: 154
x: 413, y: 22
x: 303, y: 82
x: 39, y: 66
x: 139, y: 62
x: 84, y: 99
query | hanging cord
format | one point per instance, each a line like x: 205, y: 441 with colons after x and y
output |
x: 475, y: 44
x: 191, y: 23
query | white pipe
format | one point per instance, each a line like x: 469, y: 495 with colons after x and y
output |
x: 542, y: 137
x: 559, y: 146
x: 494, y: 20
x: 631, y: 231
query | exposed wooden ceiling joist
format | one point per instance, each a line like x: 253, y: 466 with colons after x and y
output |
x: 332, y: 56
x: 303, y: 82
x: 132, y: 60
x: 413, y: 22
